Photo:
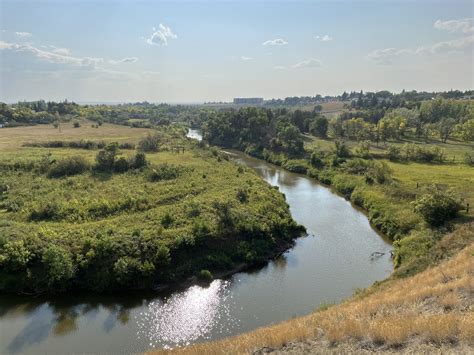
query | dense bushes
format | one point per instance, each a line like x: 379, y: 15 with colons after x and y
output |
x: 299, y: 166
x: 107, y: 161
x: 415, y: 152
x: 69, y: 166
x: 437, y: 206
x: 151, y: 143
x: 165, y: 171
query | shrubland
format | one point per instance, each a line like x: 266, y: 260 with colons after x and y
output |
x: 107, y: 219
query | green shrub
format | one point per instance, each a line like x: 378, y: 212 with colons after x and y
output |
x: 105, y: 159
x: 437, y: 206
x: 165, y: 171
x: 167, y: 220
x: 69, y: 166
x: 121, y: 165
x: 242, y: 195
x: 138, y: 161
x: 393, y: 153
x: 341, y: 150
x: 151, y: 143
x: 299, y: 166
x: 205, y: 275
x: 58, y: 264
x: 363, y: 149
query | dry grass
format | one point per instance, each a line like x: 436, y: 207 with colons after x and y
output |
x: 432, y: 308
x: 13, y: 138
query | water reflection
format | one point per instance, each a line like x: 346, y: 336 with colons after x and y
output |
x: 186, y: 316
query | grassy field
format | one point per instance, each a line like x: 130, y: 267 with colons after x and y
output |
x: 119, y: 230
x: 11, y: 139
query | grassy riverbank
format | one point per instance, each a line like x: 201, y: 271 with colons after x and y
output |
x: 427, y: 312
x: 180, y: 215
x: 426, y: 302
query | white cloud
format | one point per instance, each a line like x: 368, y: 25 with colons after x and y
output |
x: 386, y: 56
x: 279, y: 67
x: 124, y: 60
x: 23, y: 34
x: 275, y: 42
x: 52, y: 57
x: 160, y: 36
x: 308, y: 63
x: 6, y: 45
x: 62, y: 51
x: 324, y: 38
x: 465, y: 25
x: 460, y: 44
x: 245, y: 59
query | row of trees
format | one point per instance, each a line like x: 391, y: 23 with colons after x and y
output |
x: 444, y: 118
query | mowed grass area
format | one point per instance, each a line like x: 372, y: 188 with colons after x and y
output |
x: 430, y: 312
x: 12, y: 139
x: 108, y: 230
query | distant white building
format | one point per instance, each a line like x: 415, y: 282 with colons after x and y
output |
x: 248, y: 101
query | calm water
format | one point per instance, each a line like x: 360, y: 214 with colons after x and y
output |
x: 326, y: 266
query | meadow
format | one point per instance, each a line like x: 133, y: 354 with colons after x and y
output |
x: 180, y: 215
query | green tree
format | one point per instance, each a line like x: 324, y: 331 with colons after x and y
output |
x: 319, y: 127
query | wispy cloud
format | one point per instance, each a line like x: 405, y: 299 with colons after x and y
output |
x: 50, y: 56
x: 23, y: 34
x: 275, y: 42
x: 245, y: 58
x: 308, y: 63
x: 124, y: 60
x: 465, y: 25
x: 386, y: 55
x: 460, y: 44
x: 463, y: 44
x: 279, y: 67
x: 63, y: 51
x: 325, y: 38
x: 160, y: 36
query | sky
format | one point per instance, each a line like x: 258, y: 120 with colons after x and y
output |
x: 200, y: 51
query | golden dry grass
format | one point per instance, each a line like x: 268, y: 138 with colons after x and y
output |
x: 13, y: 138
x: 434, y: 307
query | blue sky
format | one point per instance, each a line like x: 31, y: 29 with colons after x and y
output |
x: 198, y: 51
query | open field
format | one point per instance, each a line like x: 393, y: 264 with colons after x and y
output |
x: 429, y: 312
x: 11, y: 139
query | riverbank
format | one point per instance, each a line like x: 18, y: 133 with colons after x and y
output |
x: 428, y: 312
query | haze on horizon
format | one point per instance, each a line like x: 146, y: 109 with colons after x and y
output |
x: 122, y: 51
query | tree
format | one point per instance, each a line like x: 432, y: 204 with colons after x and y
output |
x: 319, y: 127
x: 105, y: 159
x: 445, y: 128
x: 465, y: 130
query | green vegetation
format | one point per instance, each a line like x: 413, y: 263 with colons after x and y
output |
x: 408, y: 163
x: 74, y: 218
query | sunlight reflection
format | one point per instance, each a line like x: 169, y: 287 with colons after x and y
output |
x: 187, y: 316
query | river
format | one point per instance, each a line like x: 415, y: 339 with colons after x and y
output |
x: 326, y: 266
